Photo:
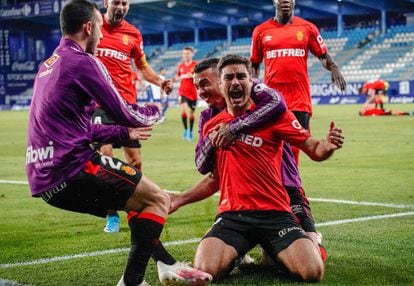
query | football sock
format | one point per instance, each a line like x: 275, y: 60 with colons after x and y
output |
x: 324, y: 255
x: 161, y: 254
x: 184, y: 119
x: 191, y: 122
x: 145, y: 232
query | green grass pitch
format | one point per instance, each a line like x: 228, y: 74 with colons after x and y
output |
x: 362, y: 199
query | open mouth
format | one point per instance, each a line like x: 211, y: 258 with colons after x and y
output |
x: 236, y: 94
x: 286, y: 7
x: 118, y: 16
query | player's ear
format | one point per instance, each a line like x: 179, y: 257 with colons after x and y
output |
x: 88, y: 27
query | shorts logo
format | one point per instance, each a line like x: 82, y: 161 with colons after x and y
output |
x: 299, y: 36
x: 128, y: 170
x: 285, y: 231
x: 125, y: 39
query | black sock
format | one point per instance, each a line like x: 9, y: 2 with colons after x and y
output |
x: 161, y: 254
x: 191, y: 122
x: 145, y: 232
x: 184, y: 119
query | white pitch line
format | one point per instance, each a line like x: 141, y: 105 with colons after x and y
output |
x: 362, y: 203
x: 178, y: 242
x: 14, y: 182
x: 359, y: 219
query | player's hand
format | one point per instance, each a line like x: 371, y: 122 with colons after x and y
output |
x: 156, y: 104
x: 167, y: 86
x: 335, y: 137
x: 338, y: 79
x: 139, y: 133
x: 174, y: 202
x: 222, y: 137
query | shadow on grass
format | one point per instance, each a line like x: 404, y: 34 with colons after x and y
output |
x: 258, y: 275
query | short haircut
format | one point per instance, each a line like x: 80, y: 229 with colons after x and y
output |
x: 206, y: 64
x: 75, y: 14
x: 189, y: 48
x: 233, y: 60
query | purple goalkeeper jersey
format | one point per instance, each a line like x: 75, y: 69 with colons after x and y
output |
x: 60, y: 131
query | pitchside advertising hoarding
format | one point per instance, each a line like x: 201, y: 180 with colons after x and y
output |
x: 16, y: 89
x: 327, y: 93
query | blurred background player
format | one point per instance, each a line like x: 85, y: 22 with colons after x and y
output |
x: 156, y: 94
x: 187, y: 92
x: 283, y: 43
x: 375, y: 91
x: 121, y: 44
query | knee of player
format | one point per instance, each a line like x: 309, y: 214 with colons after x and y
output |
x: 314, y: 273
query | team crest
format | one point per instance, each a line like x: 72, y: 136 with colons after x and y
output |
x: 299, y: 36
x: 125, y: 39
x: 50, y: 61
x: 128, y: 170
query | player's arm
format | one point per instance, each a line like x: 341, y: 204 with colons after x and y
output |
x: 269, y: 106
x: 329, y: 64
x: 205, y: 155
x: 108, y: 133
x: 98, y: 85
x: 255, y: 70
x: 151, y: 76
x: 320, y: 150
x: 202, y: 190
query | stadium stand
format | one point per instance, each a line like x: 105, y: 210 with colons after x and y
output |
x: 370, y: 47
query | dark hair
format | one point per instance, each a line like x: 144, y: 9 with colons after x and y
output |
x: 206, y: 64
x: 233, y: 60
x: 75, y: 14
x: 189, y: 48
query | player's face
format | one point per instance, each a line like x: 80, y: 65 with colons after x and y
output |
x: 236, y: 85
x: 116, y: 11
x: 187, y: 55
x: 95, y: 34
x: 285, y: 7
x: 207, y: 86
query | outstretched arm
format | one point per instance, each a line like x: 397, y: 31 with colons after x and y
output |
x: 320, y: 150
x: 204, y: 189
x: 255, y: 70
x: 329, y: 64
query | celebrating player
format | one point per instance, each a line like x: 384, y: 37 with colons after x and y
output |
x: 254, y: 207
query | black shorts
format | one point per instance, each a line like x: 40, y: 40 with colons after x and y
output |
x: 101, y: 117
x: 191, y: 103
x: 104, y: 184
x: 303, y: 118
x: 243, y: 230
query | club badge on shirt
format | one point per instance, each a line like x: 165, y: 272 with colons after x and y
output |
x: 299, y: 36
x: 125, y: 39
